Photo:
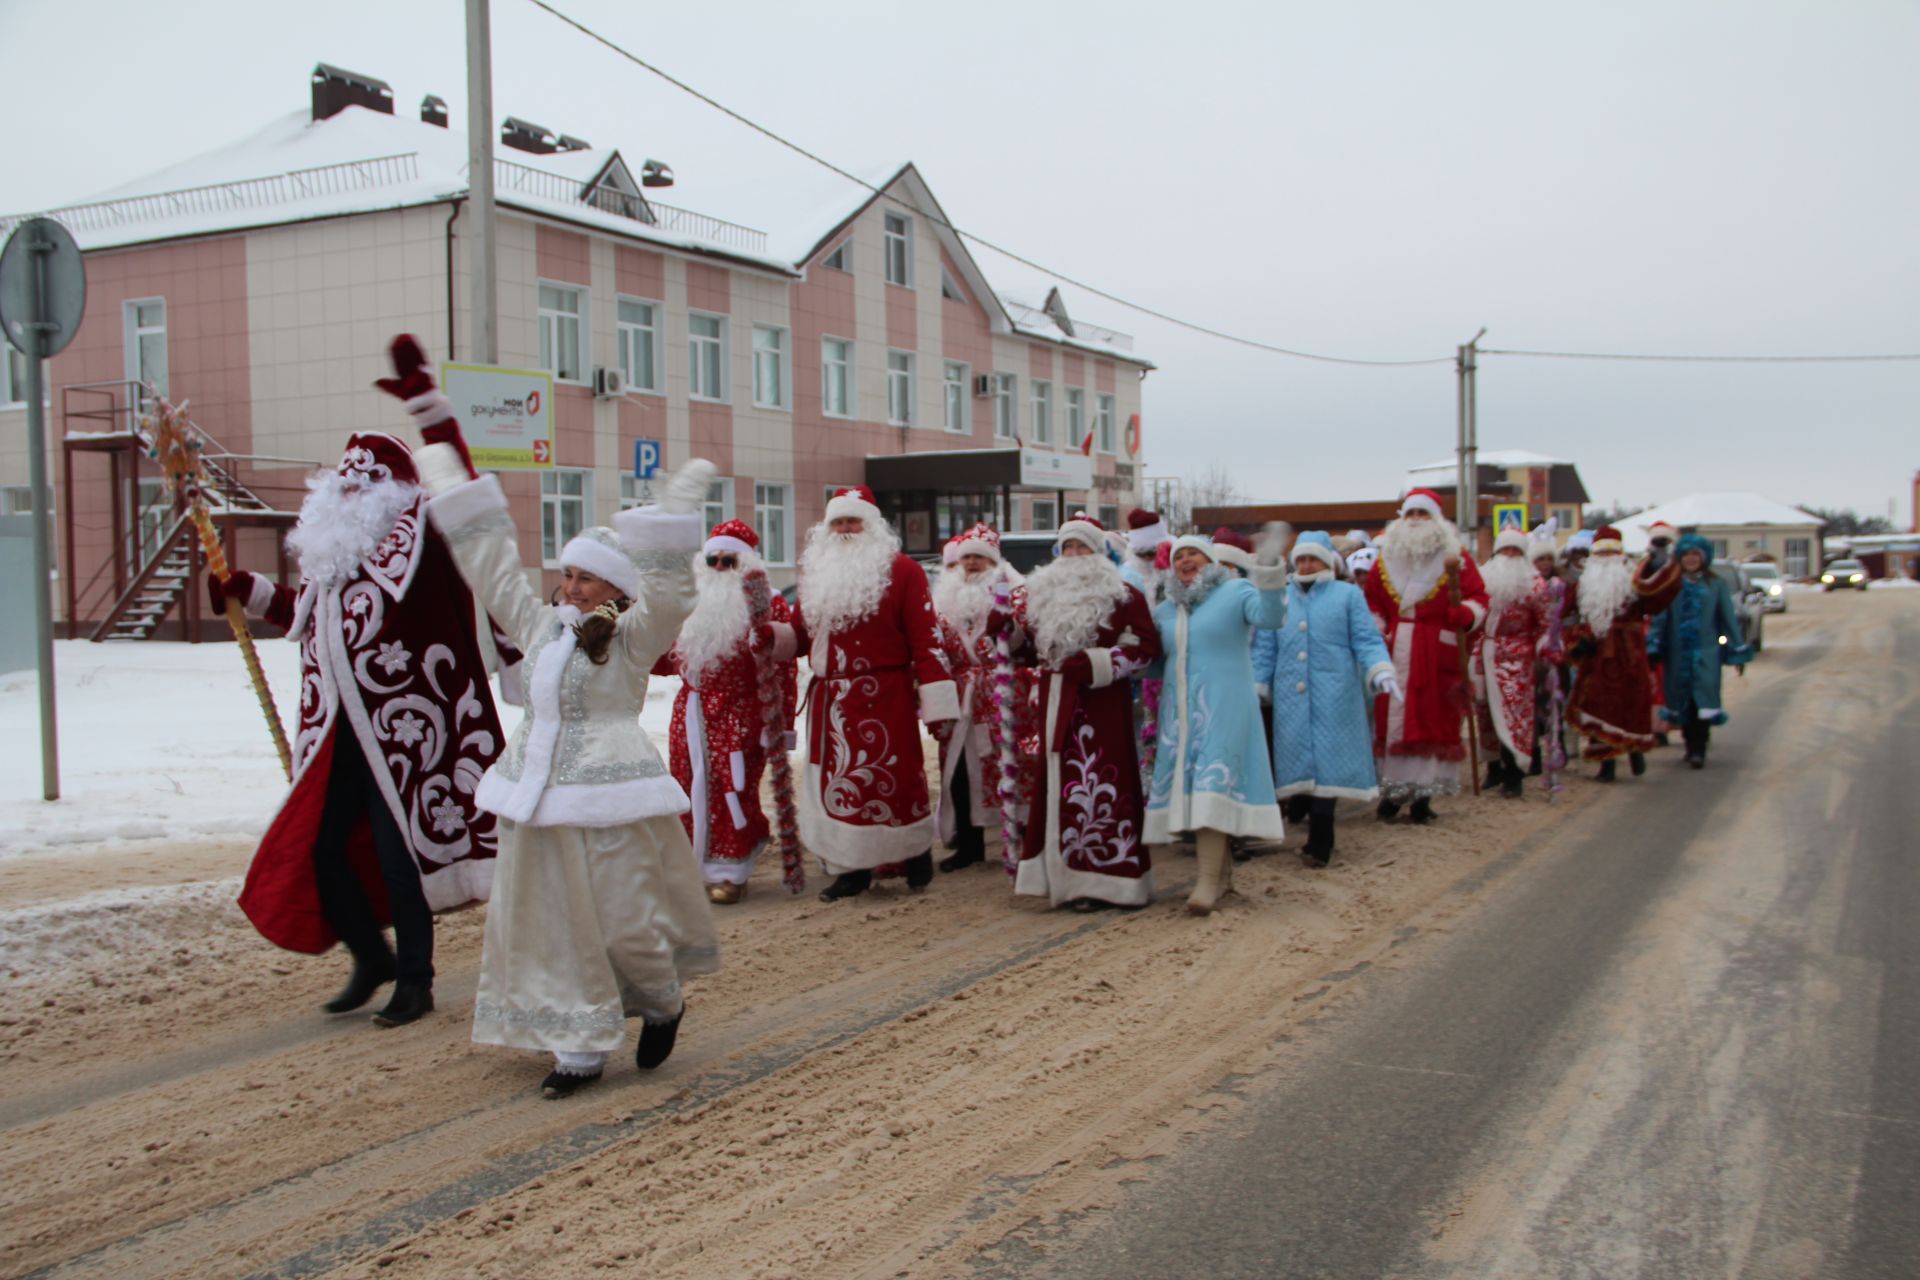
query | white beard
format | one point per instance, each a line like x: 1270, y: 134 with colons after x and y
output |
x: 1151, y: 576
x: 1606, y: 584
x: 1415, y: 553
x: 844, y: 577
x: 1068, y: 601
x: 342, y: 520
x: 717, y: 627
x: 1509, y: 579
x: 963, y: 598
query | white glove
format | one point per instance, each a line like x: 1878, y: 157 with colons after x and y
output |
x: 1275, y: 537
x: 687, y: 489
x: 1387, y: 684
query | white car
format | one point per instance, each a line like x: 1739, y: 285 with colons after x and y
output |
x: 1764, y: 576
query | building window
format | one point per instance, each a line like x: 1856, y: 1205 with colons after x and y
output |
x: 1104, y: 441
x: 146, y: 328
x: 719, y: 503
x: 1042, y: 397
x: 950, y: 288
x: 562, y: 345
x: 770, y: 349
x: 772, y: 517
x: 899, y: 241
x: 1076, y: 417
x: 1565, y: 518
x: 956, y: 391
x: 564, y: 499
x: 13, y: 378
x: 16, y: 500
x: 841, y: 259
x: 706, y: 356
x: 1109, y: 517
x: 900, y: 388
x: 1003, y: 423
x: 1043, y: 515
x: 636, y: 337
x: 836, y: 377
x: 1797, y: 566
x: 634, y: 492
x: 1719, y: 548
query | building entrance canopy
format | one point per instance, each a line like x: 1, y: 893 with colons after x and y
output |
x: 931, y: 496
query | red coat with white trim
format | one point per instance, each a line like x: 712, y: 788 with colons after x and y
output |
x: 720, y: 706
x: 388, y: 655
x: 1509, y: 646
x: 975, y: 736
x: 864, y: 800
x: 1423, y: 638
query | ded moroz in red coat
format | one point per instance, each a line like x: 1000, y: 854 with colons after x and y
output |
x: 1611, y: 706
x: 388, y: 654
x: 1423, y: 636
x: 1509, y: 647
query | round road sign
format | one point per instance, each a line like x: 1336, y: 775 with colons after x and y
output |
x: 43, y: 281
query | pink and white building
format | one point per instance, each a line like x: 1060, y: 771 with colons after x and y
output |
x: 262, y: 282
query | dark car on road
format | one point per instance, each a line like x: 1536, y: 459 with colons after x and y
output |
x: 1842, y: 574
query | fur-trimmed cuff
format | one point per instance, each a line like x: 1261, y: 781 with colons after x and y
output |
x: 259, y: 597
x: 429, y: 409
x: 1478, y: 610
x: 939, y: 701
x: 786, y: 642
x: 466, y: 502
x: 1268, y: 577
x: 1101, y: 660
x: 643, y: 529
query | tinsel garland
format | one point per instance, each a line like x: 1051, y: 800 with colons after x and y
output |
x: 773, y: 736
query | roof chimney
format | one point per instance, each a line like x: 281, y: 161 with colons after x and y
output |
x: 433, y: 110
x: 334, y: 90
x: 524, y: 135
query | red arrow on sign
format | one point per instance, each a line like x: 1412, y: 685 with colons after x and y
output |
x: 540, y: 448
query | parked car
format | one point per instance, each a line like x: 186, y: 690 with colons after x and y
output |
x: 1844, y: 573
x: 1765, y: 575
x: 1749, y: 602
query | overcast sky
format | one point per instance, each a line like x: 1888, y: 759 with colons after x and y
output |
x: 1372, y: 180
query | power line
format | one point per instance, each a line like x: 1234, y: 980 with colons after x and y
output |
x: 1594, y: 355
x: 824, y: 163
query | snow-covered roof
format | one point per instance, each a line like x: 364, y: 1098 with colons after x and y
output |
x: 1714, y: 510
x: 1446, y: 470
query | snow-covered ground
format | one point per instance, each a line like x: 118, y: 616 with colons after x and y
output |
x: 162, y: 740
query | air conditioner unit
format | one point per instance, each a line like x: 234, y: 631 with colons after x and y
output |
x: 983, y: 385
x: 609, y: 384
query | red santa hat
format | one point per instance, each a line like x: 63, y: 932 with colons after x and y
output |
x: 1511, y: 537
x: 373, y: 456
x: 1421, y: 500
x: 855, y: 501
x: 1607, y: 538
x: 981, y: 540
x: 732, y: 538
x: 1084, y: 528
x: 598, y: 551
x: 1661, y: 529
x: 1145, y: 530
x: 1232, y: 548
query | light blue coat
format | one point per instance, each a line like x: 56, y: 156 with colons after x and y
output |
x: 1211, y: 769
x: 1319, y: 667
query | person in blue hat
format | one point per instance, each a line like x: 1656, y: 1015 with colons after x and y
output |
x: 1694, y: 637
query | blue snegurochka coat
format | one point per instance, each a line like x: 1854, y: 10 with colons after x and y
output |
x: 1686, y: 637
x: 1319, y: 668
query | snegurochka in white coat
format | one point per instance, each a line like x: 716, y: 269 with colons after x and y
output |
x: 1211, y: 770
x: 598, y: 913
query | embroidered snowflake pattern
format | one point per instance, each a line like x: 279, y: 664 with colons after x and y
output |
x: 393, y: 657
x: 447, y: 818
x: 409, y: 729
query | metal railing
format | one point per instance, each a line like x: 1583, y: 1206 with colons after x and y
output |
x: 229, y: 197
x: 512, y: 176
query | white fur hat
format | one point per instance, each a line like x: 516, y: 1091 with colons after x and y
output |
x: 1361, y: 562
x: 1515, y: 538
x: 1197, y: 543
x: 1085, y: 529
x: 598, y: 551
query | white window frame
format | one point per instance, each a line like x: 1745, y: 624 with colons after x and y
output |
x: 718, y: 506
x: 134, y: 331
x: 1051, y: 506
x: 784, y: 505
x: 16, y: 500
x: 1077, y: 425
x: 1105, y: 423
x: 901, y: 239
x: 1006, y: 406
x: 548, y: 324
x: 556, y: 501
x: 849, y: 389
x: 1803, y: 556
x: 902, y: 387
x: 1040, y: 409
x: 950, y: 288
x: 13, y: 380
x: 1110, y: 516
x: 956, y: 405
x: 698, y: 342
x: 844, y: 253
x: 627, y: 337
x: 775, y: 361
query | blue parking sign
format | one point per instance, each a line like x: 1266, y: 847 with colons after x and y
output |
x: 646, y: 459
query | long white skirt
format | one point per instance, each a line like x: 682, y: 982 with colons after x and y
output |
x: 587, y: 927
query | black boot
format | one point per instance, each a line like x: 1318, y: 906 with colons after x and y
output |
x: 848, y: 884
x: 411, y: 1002
x: 1606, y: 771
x: 1297, y: 807
x: 920, y: 871
x: 562, y: 1084
x: 1637, y: 762
x: 1533, y: 765
x: 656, y: 1041
x: 1319, y: 847
x: 1513, y: 782
x: 964, y: 855
x: 1422, y: 811
x: 1496, y: 775
x: 1388, y: 810
x: 368, y: 976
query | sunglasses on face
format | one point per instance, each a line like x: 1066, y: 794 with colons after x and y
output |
x: 722, y: 562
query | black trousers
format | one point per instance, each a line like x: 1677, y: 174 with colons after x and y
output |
x: 1695, y: 732
x: 351, y: 793
x: 967, y: 836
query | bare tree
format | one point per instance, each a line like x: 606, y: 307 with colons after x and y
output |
x: 1214, y: 487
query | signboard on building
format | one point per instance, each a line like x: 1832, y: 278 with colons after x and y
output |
x: 646, y: 459
x: 1041, y: 468
x: 506, y: 414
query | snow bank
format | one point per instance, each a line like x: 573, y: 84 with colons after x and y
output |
x: 162, y: 740
x: 1894, y: 584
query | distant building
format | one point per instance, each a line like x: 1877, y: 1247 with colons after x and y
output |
x: 1741, y: 526
x: 262, y: 281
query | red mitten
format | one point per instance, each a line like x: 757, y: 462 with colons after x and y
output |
x: 1163, y: 557
x: 1460, y: 617
x: 238, y: 585
x: 410, y: 378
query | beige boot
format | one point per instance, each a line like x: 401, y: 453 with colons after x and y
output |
x: 1210, y: 851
